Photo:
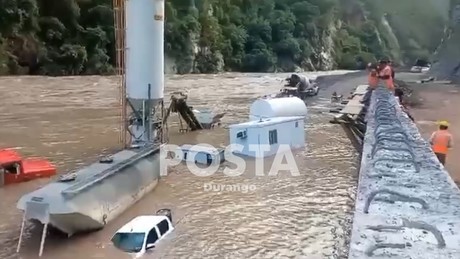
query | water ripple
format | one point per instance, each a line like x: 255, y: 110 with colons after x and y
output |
x: 75, y: 119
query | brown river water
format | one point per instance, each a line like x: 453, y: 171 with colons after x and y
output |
x: 73, y: 120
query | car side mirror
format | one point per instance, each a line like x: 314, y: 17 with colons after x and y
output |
x: 149, y: 246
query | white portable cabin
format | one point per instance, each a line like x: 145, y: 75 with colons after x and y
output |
x: 200, y: 154
x: 277, y: 107
x: 277, y: 134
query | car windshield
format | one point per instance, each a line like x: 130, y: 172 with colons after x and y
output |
x: 129, y: 242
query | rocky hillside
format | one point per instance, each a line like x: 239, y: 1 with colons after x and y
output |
x: 447, y: 58
x: 66, y: 37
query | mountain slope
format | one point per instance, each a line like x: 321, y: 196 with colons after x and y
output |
x: 65, y: 37
x: 447, y: 59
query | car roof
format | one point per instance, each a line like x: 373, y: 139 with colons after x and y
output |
x: 142, y: 224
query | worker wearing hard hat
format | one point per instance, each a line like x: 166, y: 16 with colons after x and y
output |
x: 441, y: 140
x: 386, y: 73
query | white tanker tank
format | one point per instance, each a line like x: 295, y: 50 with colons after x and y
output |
x: 96, y: 194
x: 277, y: 107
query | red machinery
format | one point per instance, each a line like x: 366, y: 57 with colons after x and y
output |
x: 15, y: 169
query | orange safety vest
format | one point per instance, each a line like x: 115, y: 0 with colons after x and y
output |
x: 440, y: 141
x: 372, y: 79
x: 388, y: 82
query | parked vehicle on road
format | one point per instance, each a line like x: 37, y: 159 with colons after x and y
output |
x: 420, y: 66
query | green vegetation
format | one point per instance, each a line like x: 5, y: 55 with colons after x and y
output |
x: 417, y: 25
x: 70, y: 37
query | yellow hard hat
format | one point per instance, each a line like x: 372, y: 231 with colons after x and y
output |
x: 443, y: 123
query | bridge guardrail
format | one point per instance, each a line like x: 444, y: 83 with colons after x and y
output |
x: 407, y: 206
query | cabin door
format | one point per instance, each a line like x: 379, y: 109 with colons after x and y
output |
x: 9, y: 173
x: 12, y: 168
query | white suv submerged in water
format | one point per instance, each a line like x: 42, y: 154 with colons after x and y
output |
x: 142, y: 233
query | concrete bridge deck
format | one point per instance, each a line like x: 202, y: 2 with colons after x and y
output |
x: 407, y: 206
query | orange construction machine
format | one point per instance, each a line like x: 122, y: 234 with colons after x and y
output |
x: 15, y: 169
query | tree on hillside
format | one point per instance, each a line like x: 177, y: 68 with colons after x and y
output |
x: 69, y: 37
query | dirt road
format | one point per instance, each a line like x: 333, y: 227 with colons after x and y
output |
x: 440, y: 102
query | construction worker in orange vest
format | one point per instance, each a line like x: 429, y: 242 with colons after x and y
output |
x: 373, y: 77
x: 386, y: 73
x: 372, y: 81
x: 441, y: 140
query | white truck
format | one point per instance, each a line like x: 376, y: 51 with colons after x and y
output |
x: 421, y: 66
x: 142, y: 233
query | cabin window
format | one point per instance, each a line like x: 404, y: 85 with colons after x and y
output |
x: 185, y: 155
x: 152, y: 237
x: 273, y: 137
x: 10, y: 168
x: 296, y: 124
x: 241, y: 135
x: 208, y: 159
x: 163, y: 227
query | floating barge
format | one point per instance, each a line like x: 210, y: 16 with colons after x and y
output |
x: 94, y: 195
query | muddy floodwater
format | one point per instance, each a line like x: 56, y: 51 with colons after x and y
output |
x: 73, y: 120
